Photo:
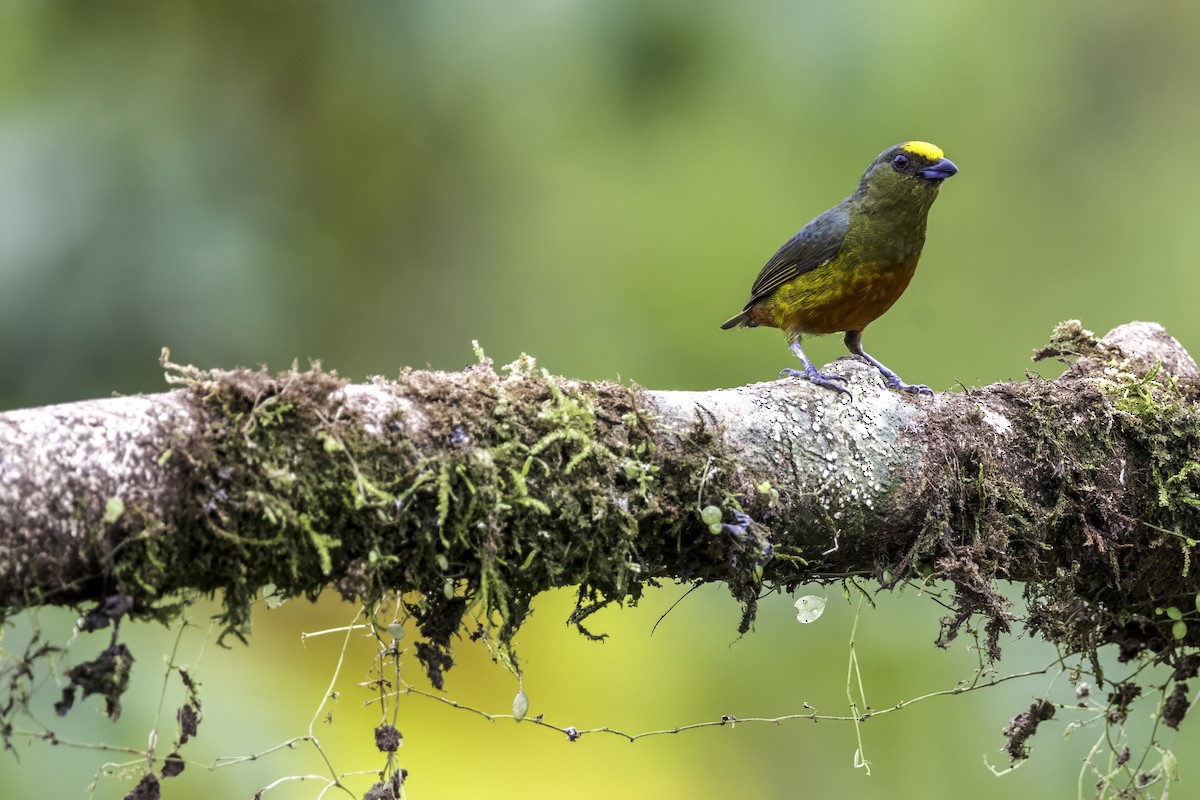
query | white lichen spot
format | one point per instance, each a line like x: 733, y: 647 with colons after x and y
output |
x: 997, y: 422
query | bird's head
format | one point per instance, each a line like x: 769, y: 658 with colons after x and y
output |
x: 910, y: 169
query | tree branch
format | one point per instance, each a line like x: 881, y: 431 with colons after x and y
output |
x: 480, y: 489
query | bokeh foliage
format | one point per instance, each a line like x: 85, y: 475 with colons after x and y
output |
x: 376, y: 184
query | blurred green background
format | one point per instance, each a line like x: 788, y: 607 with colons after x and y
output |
x: 375, y: 184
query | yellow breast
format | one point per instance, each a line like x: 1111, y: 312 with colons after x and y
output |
x: 838, y: 300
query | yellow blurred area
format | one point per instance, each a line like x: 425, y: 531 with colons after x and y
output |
x: 691, y: 668
x: 376, y: 184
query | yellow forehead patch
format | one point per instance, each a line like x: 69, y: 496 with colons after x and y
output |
x: 925, y: 150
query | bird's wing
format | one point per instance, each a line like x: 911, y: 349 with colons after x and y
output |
x: 815, y: 244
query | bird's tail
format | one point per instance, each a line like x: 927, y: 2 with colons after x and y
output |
x: 740, y: 321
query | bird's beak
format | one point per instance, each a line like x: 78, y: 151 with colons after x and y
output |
x: 938, y: 171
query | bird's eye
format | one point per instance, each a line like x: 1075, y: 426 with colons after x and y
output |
x: 900, y: 162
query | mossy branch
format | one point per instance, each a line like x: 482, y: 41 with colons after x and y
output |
x: 479, y: 489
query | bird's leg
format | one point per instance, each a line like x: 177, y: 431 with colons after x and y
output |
x: 853, y: 342
x: 810, y: 372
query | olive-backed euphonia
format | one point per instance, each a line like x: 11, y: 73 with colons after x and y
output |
x: 849, y: 265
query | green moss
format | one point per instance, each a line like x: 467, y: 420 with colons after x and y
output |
x: 1102, y: 440
x: 1062, y: 524
x: 507, y: 484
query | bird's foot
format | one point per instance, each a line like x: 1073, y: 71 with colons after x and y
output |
x: 893, y: 381
x: 914, y: 388
x: 819, y: 378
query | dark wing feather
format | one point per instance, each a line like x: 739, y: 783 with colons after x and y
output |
x: 815, y: 244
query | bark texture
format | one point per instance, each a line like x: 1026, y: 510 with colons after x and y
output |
x: 481, y: 488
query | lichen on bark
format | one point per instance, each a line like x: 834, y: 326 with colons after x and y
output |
x: 464, y: 495
x: 478, y: 491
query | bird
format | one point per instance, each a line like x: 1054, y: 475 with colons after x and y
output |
x: 848, y: 265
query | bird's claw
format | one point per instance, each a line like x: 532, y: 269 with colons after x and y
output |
x: 911, y: 388
x: 819, y: 378
x: 893, y: 380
